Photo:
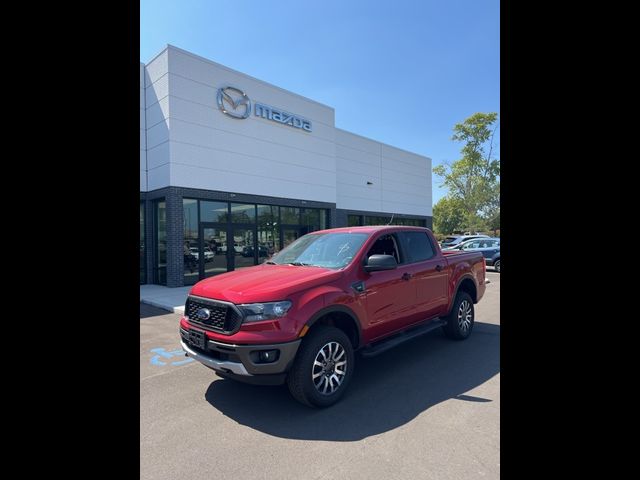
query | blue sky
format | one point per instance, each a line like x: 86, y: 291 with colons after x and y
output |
x: 401, y: 72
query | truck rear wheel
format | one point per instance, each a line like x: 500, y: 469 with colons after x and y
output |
x: 461, y: 318
x: 323, y: 367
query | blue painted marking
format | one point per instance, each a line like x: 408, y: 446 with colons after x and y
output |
x: 183, y: 362
x: 161, y: 352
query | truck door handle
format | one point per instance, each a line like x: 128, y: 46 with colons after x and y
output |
x: 406, y: 276
x: 439, y: 268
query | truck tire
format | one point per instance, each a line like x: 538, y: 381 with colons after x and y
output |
x: 461, y: 318
x: 323, y: 367
x: 496, y: 265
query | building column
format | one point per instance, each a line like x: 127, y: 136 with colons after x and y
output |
x: 175, y: 239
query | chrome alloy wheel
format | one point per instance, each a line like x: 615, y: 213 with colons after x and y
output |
x: 329, y: 368
x: 464, y: 316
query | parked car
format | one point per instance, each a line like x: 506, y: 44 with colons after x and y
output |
x: 299, y: 317
x: 489, y: 247
x: 457, y: 239
x: 208, y: 254
x: 248, y: 251
x: 237, y: 248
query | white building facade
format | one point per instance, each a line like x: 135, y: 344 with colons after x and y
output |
x: 233, y: 169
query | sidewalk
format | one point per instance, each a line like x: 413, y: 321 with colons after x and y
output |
x: 171, y: 299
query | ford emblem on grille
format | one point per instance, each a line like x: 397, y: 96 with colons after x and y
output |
x: 203, y: 314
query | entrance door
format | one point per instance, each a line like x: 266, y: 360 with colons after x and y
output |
x: 242, y: 245
x: 213, y: 255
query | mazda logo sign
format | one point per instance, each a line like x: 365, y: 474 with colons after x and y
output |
x: 203, y: 314
x: 234, y: 102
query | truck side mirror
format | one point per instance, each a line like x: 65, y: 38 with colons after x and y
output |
x: 376, y: 263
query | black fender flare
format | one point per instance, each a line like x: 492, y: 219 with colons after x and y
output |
x: 455, y: 292
x: 341, y: 309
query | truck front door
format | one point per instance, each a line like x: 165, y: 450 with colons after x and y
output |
x: 390, y: 294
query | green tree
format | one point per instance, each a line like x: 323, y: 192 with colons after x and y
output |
x: 474, y: 179
x: 448, y: 216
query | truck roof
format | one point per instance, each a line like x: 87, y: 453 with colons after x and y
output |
x: 371, y: 229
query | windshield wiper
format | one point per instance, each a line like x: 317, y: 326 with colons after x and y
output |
x: 269, y: 262
x: 300, y: 264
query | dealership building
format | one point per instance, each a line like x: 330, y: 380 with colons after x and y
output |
x: 232, y: 169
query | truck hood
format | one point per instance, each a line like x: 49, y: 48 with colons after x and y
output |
x: 263, y: 283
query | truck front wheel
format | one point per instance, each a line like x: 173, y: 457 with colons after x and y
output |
x: 461, y: 318
x: 322, y: 368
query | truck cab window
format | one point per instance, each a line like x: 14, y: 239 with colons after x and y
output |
x: 418, y: 246
x: 385, y: 245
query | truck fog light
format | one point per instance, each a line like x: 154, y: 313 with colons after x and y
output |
x: 268, y: 356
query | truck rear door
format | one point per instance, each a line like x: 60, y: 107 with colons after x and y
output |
x: 428, y: 268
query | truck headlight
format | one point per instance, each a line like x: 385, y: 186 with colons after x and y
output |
x: 255, y: 312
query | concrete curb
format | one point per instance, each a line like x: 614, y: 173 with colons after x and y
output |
x: 163, y: 306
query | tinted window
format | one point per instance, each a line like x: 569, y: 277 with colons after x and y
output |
x: 290, y: 215
x: 213, y: 211
x: 353, y: 220
x: 243, y: 213
x: 418, y: 246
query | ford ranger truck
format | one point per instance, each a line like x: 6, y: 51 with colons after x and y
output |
x: 299, y: 317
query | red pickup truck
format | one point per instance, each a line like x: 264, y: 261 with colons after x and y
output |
x: 299, y: 317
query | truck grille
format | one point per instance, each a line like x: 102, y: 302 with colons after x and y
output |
x: 224, y: 318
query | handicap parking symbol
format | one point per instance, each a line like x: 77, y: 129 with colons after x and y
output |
x: 161, y: 353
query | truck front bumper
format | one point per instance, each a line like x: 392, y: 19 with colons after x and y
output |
x: 242, y: 362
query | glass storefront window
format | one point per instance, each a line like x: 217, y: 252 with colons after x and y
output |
x: 268, y: 231
x: 290, y: 215
x: 160, y: 214
x: 143, y: 257
x: 311, y: 218
x: 216, y: 212
x: 243, y: 213
x: 369, y: 220
x: 379, y: 220
x: 354, y: 221
x: 324, y: 219
x: 190, y: 243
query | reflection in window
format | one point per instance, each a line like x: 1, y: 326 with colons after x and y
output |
x: 330, y: 250
x: 290, y: 215
x: 418, y: 246
x: 143, y: 257
x: 243, y: 213
x: 311, y: 219
x: 268, y: 231
x: 324, y: 219
x: 371, y: 220
x: 354, y: 220
x: 190, y: 240
x: 160, y: 214
x: 213, y: 211
x: 380, y: 220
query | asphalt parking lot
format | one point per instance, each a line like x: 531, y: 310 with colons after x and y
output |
x: 427, y: 409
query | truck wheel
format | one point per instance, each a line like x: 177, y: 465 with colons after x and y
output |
x: 496, y: 265
x: 461, y: 318
x: 322, y: 368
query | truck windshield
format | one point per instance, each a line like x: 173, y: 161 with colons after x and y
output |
x: 328, y: 250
